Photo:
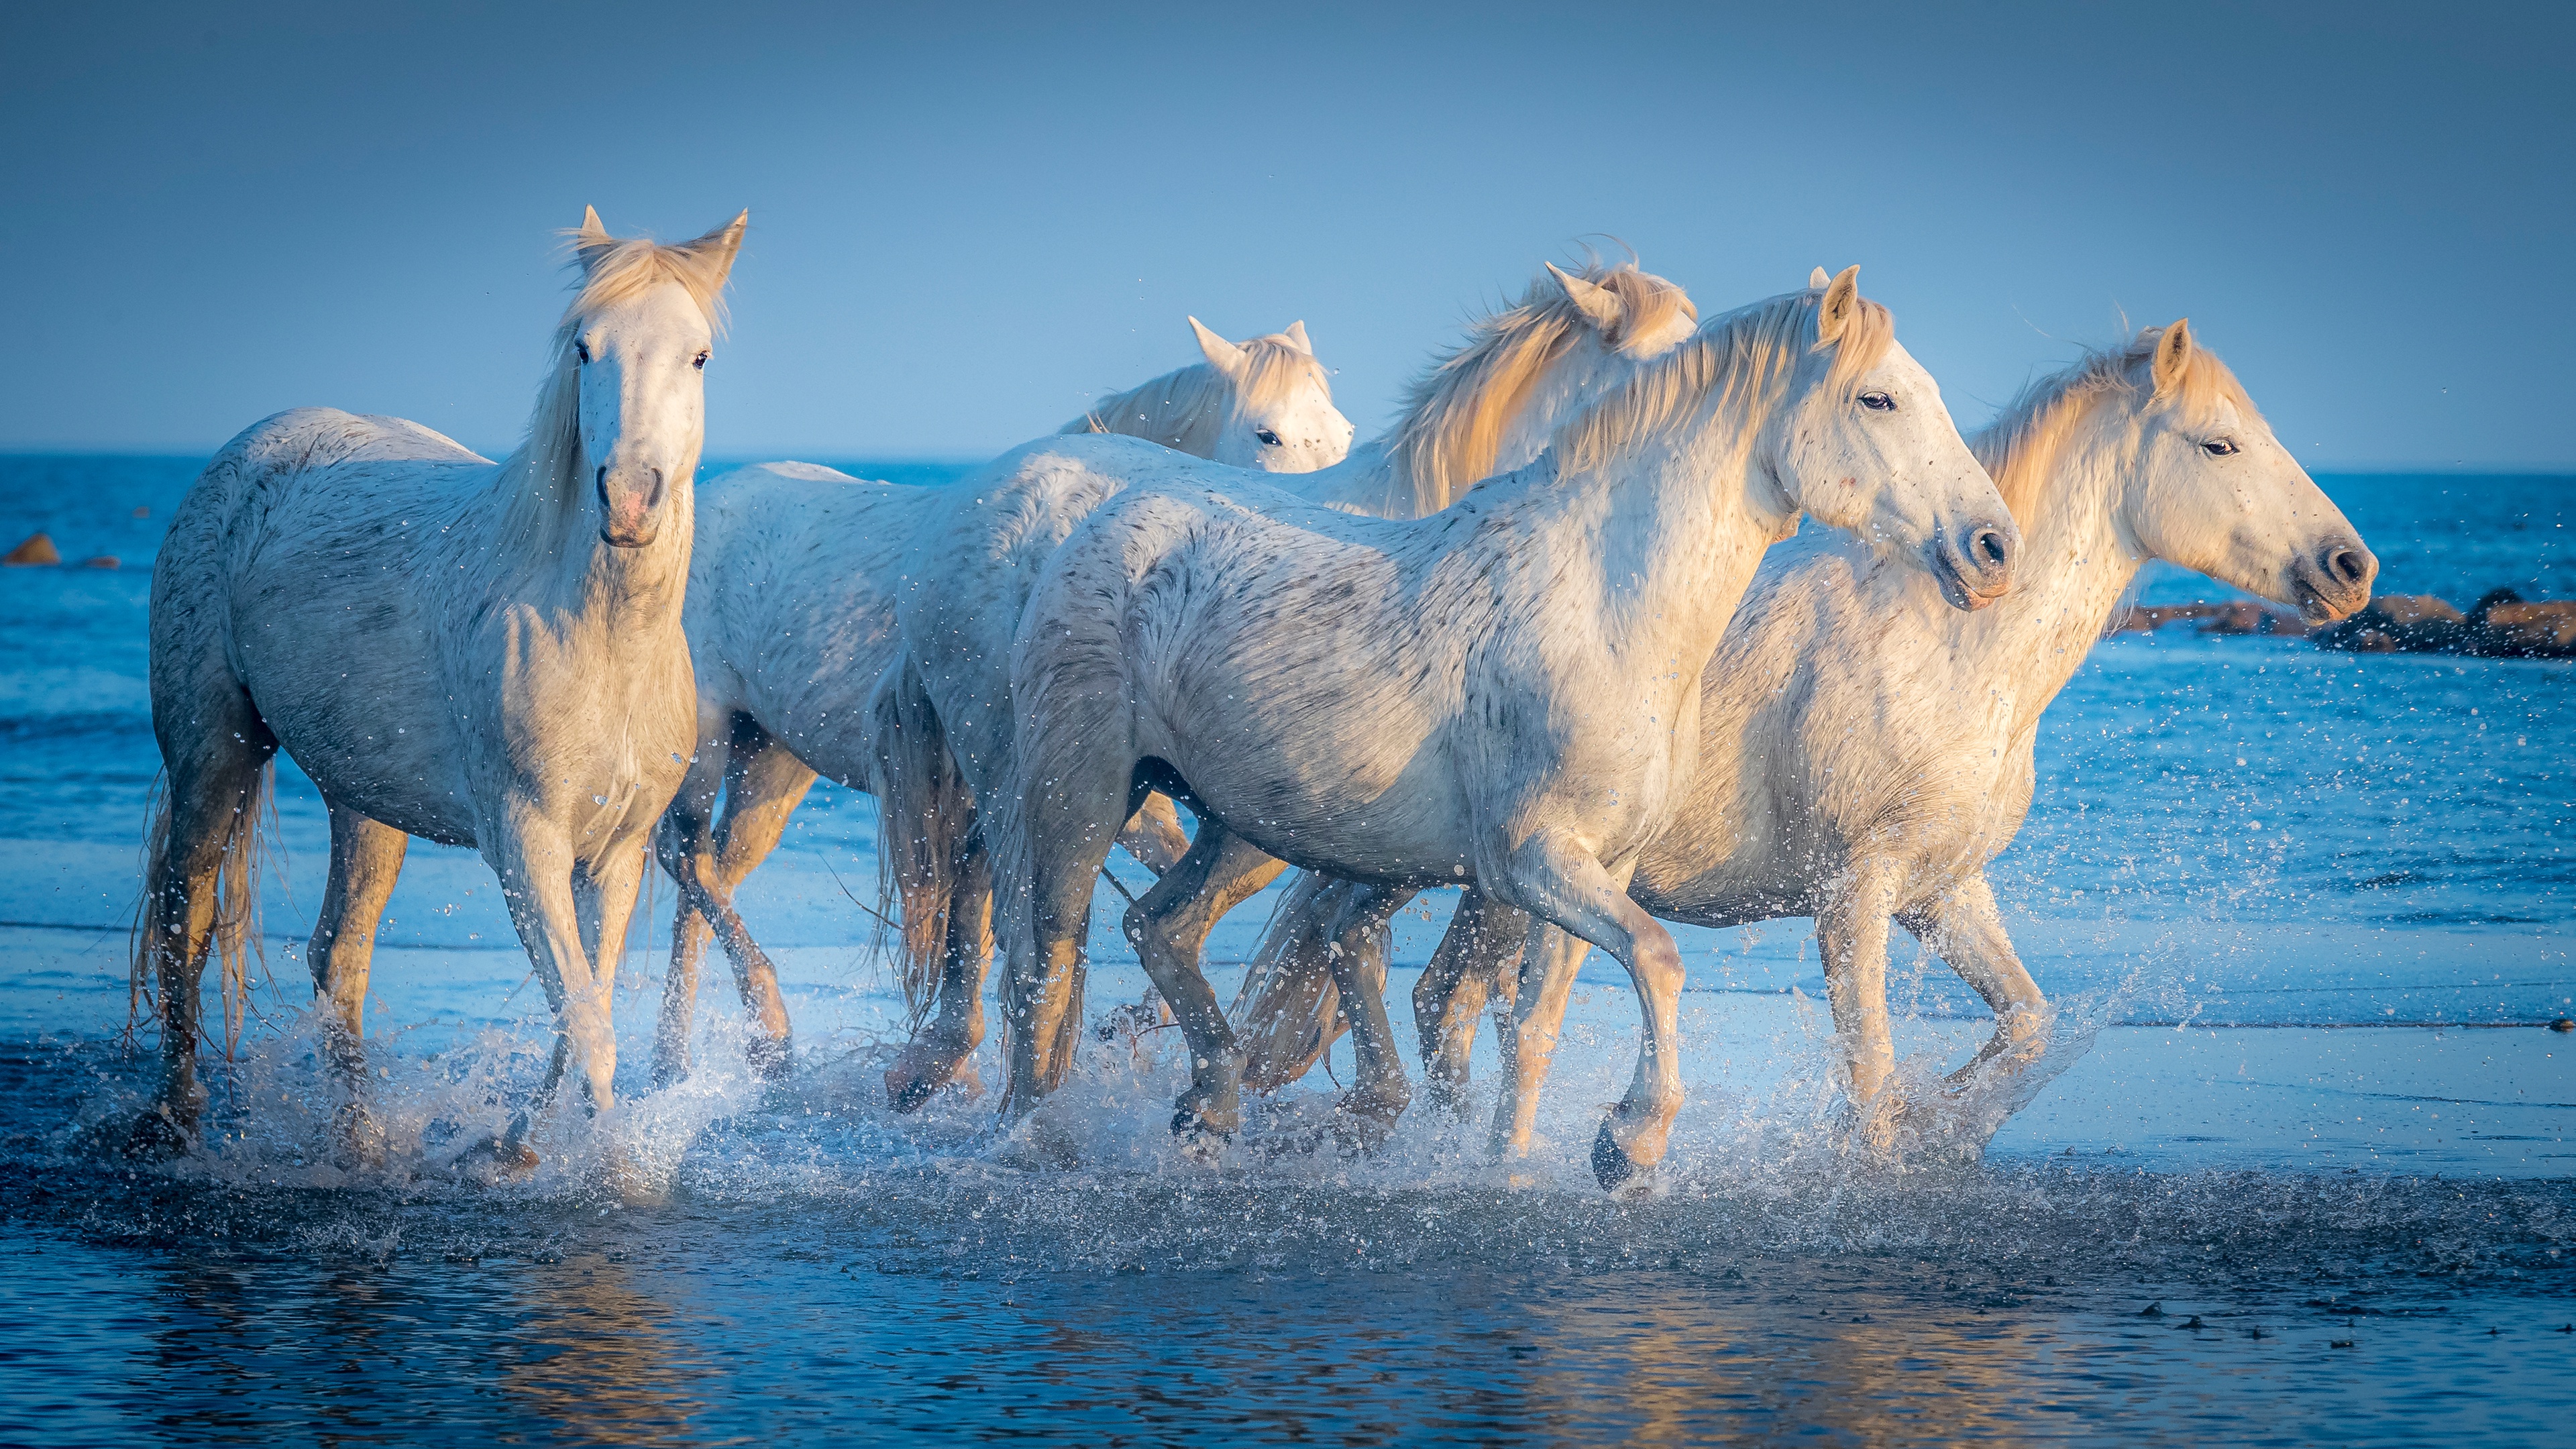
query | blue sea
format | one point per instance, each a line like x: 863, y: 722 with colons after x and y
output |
x: 2297, y: 1170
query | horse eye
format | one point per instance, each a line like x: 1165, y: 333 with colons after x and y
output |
x: 581, y: 350
x: 2219, y: 448
x: 699, y: 362
x: 1878, y: 402
x: 1268, y: 438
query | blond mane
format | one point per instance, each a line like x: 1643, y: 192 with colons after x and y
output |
x: 1737, y: 358
x: 1188, y: 407
x: 542, y: 481
x: 1458, y: 412
x: 2020, y: 448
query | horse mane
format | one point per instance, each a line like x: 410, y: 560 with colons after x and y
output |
x: 2020, y: 448
x: 1734, y: 356
x: 1459, y: 410
x: 542, y: 480
x: 1186, y: 407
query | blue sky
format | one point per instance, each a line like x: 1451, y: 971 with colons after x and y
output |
x: 967, y: 221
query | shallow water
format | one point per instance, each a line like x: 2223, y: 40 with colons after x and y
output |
x: 2303, y: 915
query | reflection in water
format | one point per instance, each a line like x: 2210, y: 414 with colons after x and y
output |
x: 599, y: 1359
x: 227, y: 1315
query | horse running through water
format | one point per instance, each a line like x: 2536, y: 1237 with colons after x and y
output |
x: 1506, y: 691
x: 481, y: 654
x: 945, y: 719
x: 790, y: 618
x: 1864, y: 753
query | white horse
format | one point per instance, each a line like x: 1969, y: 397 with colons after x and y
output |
x: 1506, y: 691
x: 1864, y: 753
x: 482, y: 654
x: 790, y: 619
x: 946, y: 718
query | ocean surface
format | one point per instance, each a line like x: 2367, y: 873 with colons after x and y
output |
x: 2297, y: 1169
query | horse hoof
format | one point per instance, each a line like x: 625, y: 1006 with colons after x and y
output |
x: 504, y: 1158
x: 771, y: 1057
x: 152, y: 1135
x: 916, y: 1076
x: 1611, y: 1165
x: 1200, y: 1137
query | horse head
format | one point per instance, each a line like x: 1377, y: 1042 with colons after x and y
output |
x: 1280, y: 418
x: 637, y: 340
x: 1863, y: 442
x: 2212, y: 489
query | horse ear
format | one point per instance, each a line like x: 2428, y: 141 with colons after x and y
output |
x: 1296, y: 333
x: 1222, y: 355
x: 1842, y: 297
x: 590, y: 240
x: 1817, y: 281
x: 722, y: 244
x: 1596, y: 302
x: 2173, y: 356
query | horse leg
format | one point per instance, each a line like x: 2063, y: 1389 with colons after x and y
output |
x: 1288, y: 1006
x: 1068, y: 825
x: 937, y: 1054
x: 1554, y: 876
x: 1483, y: 941
x: 1154, y: 836
x: 1526, y: 1031
x: 766, y: 784
x: 1169, y: 928
x: 366, y: 858
x: 1967, y: 931
x: 1360, y: 942
x: 682, y: 840
x: 1851, y: 938
x: 535, y: 864
x: 200, y: 885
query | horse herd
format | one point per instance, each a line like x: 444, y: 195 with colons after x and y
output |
x: 1550, y: 639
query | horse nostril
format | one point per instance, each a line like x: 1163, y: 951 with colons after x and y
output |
x: 2344, y: 565
x: 1987, y: 546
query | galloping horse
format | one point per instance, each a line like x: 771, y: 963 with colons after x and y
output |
x: 946, y: 717
x: 484, y: 654
x: 790, y: 619
x: 1864, y: 753
x: 1505, y: 691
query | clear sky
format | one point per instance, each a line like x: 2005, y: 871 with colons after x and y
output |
x: 964, y: 221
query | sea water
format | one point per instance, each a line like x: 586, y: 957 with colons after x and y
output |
x: 2296, y: 1170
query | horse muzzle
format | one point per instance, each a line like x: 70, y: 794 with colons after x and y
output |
x: 630, y: 506
x: 1974, y: 564
x: 2332, y: 581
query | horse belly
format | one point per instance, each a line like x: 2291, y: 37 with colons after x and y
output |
x: 347, y: 681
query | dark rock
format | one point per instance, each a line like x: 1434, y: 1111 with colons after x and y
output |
x: 2503, y: 626
x: 103, y: 561
x: 2562, y: 1024
x: 2248, y: 617
x: 2415, y: 623
x: 38, y: 550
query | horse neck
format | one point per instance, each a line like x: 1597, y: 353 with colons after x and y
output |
x: 2078, y: 563
x: 1676, y: 529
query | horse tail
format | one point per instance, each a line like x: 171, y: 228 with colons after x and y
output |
x: 240, y: 857
x: 925, y: 834
x: 1288, y: 1011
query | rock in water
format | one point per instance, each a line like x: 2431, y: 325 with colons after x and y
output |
x: 2410, y: 622
x: 37, y: 550
x: 103, y: 561
x: 2503, y: 626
